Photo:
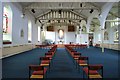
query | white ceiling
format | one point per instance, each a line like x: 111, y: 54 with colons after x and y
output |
x: 84, y: 10
x: 42, y: 7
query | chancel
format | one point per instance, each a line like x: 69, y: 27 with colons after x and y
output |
x: 71, y: 39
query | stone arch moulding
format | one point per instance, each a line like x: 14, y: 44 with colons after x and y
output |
x: 83, y: 23
x: 104, y: 12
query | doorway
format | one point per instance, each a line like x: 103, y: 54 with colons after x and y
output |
x: 90, y: 39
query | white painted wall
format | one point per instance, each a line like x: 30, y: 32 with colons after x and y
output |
x: 97, y: 37
x: 70, y: 37
x: 82, y: 39
x: 1, y: 39
x: 119, y: 36
x: 50, y: 35
x: 19, y: 23
x: 35, y: 34
x: 1, y: 10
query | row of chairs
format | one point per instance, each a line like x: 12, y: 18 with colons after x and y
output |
x: 44, y: 46
x: 39, y: 71
x: 91, y: 71
x: 76, y: 46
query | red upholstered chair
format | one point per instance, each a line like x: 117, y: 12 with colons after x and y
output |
x: 82, y: 61
x: 93, y: 71
x: 37, y: 71
x: 72, y: 51
x: 49, y: 55
x: 44, y: 61
x: 76, y: 55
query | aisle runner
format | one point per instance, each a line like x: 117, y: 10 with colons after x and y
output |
x: 63, y: 66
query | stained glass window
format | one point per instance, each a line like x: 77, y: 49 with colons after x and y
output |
x: 5, y: 20
x: 7, y: 24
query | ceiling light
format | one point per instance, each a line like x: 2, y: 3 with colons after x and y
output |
x: 39, y: 21
x: 80, y: 4
x: 58, y: 21
x: 69, y: 21
x: 23, y: 15
x: 41, y: 28
x: 91, y: 10
x: 59, y: 11
x: 49, y: 21
x: 80, y: 21
x: 33, y: 10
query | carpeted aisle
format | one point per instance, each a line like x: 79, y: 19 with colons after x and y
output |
x: 63, y: 66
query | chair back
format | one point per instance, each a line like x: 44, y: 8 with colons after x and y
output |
x: 83, y: 58
x: 35, y: 67
x: 95, y: 67
x: 44, y: 58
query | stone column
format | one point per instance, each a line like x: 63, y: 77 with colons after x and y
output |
x: 104, y: 13
x: 102, y: 39
x: 80, y: 33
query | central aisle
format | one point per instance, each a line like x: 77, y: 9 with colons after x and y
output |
x: 63, y: 66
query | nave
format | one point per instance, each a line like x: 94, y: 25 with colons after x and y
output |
x: 71, y: 39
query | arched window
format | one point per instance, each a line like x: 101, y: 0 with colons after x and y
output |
x: 99, y: 37
x: 84, y: 29
x: 106, y: 35
x: 115, y: 22
x: 29, y: 31
x: 7, y: 25
x: 116, y: 35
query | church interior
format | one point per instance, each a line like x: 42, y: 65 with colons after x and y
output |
x: 60, y: 39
